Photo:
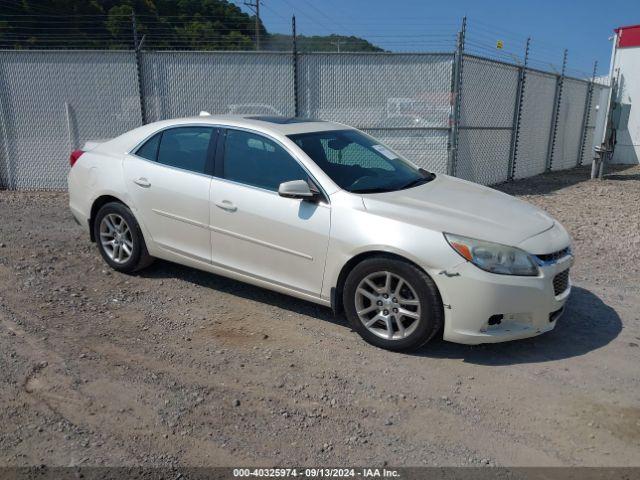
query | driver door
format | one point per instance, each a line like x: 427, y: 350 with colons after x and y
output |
x: 255, y: 231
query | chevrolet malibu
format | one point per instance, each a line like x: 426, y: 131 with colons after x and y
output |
x: 326, y: 213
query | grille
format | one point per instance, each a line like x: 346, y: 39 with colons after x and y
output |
x: 555, y: 256
x: 561, y: 282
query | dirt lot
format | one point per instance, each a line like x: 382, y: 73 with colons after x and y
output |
x: 179, y: 367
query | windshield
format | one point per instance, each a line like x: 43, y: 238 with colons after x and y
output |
x: 358, y: 163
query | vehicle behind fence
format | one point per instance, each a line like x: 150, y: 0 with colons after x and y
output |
x: 479, y: 119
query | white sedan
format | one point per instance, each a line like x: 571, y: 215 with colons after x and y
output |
x: 326, y: 213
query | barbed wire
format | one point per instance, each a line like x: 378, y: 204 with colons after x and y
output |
x: 42, y: 29
x: 482, y: 38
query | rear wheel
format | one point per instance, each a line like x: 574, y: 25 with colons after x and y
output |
x: 119, y: 238
x: 392, y: 304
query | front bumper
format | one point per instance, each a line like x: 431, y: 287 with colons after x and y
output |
x: 528, y: 305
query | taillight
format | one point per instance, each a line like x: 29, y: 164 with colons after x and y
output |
x: 75, y: 155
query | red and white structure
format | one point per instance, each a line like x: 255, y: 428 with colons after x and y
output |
x: 625, y: 66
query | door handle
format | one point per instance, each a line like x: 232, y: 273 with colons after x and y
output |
x: 226, y: 205
x: 142, y: 182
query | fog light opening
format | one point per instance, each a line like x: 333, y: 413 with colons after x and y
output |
x: 495, y: 319
x: 553, y: 316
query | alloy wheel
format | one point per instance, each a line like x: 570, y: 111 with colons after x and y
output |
x: 387, y: 305
x: 116, y: 238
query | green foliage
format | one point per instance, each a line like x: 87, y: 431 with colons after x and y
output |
x: 171, y: 24
x: 330, y: 43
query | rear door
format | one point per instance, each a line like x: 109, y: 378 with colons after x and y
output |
x: 254, y: 230
x: 168, y: 179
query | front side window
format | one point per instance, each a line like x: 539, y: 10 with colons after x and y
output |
x: 185, y: 148
x: 357, y: 163
x: 254, y: 160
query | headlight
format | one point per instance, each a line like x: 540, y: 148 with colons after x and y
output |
x: 493, y: 257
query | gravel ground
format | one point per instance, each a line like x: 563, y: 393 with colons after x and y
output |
x: 176, y: 367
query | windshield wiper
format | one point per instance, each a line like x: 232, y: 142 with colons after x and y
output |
x: 414, y: 183
x: 426, y: 178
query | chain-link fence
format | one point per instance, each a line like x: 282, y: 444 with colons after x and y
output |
x: 569, y: 124
x: 535, y: 124
x: 488, y: 97
x: 516, y: 122
x: 402, y: 99
x: 596, y: 111
x: 483, y: 120
x: 51, y: 102
x: 180, y: 84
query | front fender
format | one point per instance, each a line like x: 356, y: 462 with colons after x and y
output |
x: 355, y: 232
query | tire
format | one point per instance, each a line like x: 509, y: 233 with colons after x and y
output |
x: 417, y: 304
x: 130, y: 254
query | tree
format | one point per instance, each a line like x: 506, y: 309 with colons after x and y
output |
x: 172, y: 24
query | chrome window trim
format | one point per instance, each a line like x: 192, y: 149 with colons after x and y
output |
x: 155, y: 162
x: 326, y: 200
x: 177, y: 169
x: 155, y: 132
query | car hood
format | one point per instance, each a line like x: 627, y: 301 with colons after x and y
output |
x: 452, y: 205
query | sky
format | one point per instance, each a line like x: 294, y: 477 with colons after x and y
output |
x: 582, y: 27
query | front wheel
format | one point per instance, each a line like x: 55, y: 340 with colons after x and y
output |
x: 392, y: 304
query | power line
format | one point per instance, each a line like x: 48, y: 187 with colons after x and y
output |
x: 325, y: 15
x: 277, y: 14
x: 256, y: 8
x: 313, y: 20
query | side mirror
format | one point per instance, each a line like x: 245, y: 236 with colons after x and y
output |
x: 295, y: 189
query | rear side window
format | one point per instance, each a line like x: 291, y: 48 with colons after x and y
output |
x: 257, y: 161
x: 185, y: 148
x: 149, y: 149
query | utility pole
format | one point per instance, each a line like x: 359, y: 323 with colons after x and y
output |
x: 137, y: 45
x: 337, y: 44
x: 134, y: 30
x: 256, y: 9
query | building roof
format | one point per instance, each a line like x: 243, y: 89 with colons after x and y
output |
x: 628, y: 36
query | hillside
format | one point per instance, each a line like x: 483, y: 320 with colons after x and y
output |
x: 328, y: 43
x: 164, y: 24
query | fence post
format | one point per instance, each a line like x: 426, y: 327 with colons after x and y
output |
x: 556, y: 113
x: 4, y: 136
x: 70, y: 130
x: 296, y: 108
x: 586, y: 116
x: 517, y: 114
x: 137, y: 46
x: 456, y: 91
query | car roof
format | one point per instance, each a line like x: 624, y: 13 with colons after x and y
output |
x: 267, y: 123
